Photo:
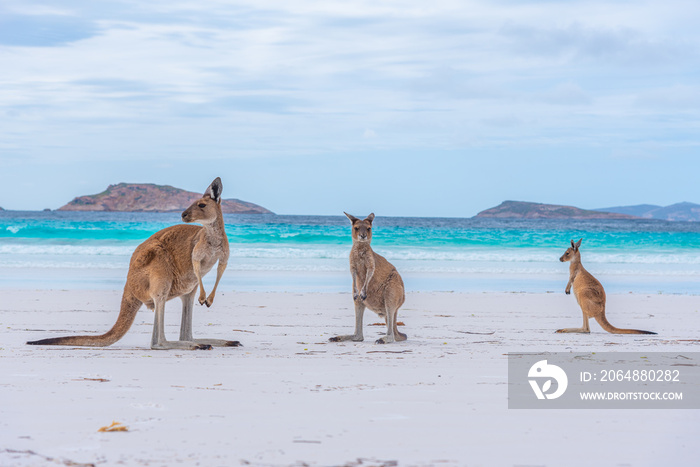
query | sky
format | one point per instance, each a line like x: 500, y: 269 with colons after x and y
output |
x: 403, y: 108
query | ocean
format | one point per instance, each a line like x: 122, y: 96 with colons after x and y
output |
x: 91, y: 250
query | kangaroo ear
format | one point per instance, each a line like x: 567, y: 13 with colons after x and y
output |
x: 214, y: 190
x: 353, y: 219
x: 370, y: 218
x: 578, y: 244
x: 572, y: 244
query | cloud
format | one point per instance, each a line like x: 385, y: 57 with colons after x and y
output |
x: 316, y: 75
x: 618, y: 46
x: 677, y: 97
x: 451, y: 83
x: 44, y: 30
x: 117, y: 83
x: 566, y: 94
x: 369, y: 134
x: 508, y: 121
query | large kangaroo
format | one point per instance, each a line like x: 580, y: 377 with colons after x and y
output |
x: 589, y: 293
x: 375, y: 284
x: 169, y: 264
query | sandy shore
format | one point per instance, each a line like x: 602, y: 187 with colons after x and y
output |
x: 288, y: 397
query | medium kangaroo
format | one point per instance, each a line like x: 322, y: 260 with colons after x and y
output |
x: 589, y: 293
x: 169, y: 264
x: 375, y: 284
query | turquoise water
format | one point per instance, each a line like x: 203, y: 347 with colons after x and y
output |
x: 268, y: 252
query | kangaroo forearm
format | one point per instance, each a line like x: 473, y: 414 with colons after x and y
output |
x: 354, y: 283
x: 219, y: 272
x: 370, y: 273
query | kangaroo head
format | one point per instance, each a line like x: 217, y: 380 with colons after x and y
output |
x: 361, y: 229
x: 207, y: 208
x: 571, y: 252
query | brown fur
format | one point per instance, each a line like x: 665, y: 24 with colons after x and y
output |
x: 376, y: 284
x: 589, y: 293
x: 169, y: 264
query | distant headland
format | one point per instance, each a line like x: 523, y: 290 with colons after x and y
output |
x: 525, y: 210
x: 148, y: 197
x: 676, y: 212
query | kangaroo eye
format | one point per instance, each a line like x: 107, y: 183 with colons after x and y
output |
x: 202, y: 205
x: 357, y: 228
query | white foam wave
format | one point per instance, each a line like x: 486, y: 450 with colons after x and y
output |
x: 456, y: 255
x: 332, y: 252
x: 77, y: 250
x: 47, y: 264
x: 327, y: 268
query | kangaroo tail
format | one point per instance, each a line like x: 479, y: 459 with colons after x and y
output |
x: 127, y: 313
x: 605, y: 324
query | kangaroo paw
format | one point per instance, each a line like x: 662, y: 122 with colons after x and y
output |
x: 385, y: 340
x: 351, y: 337
x: 218, y: 342
x: 182, y: 345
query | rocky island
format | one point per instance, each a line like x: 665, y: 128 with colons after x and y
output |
x: 525, y: 210
x: 148, y: 197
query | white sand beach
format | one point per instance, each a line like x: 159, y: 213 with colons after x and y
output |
x: 289, y: 397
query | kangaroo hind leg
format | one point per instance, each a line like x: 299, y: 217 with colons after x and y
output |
x: 358, y: 336
x: 584, y: 329
x: 392, y: 302
x: 158, y: 340
x: 398, y: 335
x: 186, y: 325
x: 390, y: 335
x: 393, y: 299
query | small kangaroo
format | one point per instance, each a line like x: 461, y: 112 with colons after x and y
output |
x: 589, y: 293
x: 169, y: 264
x: 376, y: 284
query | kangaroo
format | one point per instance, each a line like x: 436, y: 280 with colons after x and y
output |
x: 376, y: 284
x: 169, y: 264
x: 589, y: 293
